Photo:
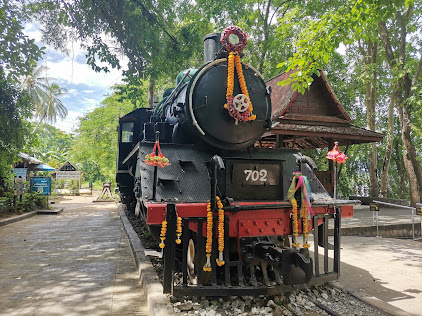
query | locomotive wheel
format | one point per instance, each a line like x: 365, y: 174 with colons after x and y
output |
x: 192, y: 266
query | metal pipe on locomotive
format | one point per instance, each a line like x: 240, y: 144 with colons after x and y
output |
x: 226, y: 199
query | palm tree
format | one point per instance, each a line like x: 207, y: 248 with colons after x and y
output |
x: 35, y: 85
x: 44, y: 96
x: 52, y: 105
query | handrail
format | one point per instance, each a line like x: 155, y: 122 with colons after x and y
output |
x: 395, y: 205
x: 413, y: 209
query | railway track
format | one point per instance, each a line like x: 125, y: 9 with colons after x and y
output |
x: 315, y: 301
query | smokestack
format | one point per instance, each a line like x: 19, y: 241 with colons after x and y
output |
x: 212, y: 45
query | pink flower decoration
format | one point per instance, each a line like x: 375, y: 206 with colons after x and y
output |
x: 335, y: 154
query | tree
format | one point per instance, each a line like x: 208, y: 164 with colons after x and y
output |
x: 44, y: 96
x: 52, y: 105
x: 155, y: 37
x: 14, y: 130
x: 407, y: 71
x: 95, y: 145
x: 35, y: 85
x: 53, y: 145
x: 18, y: 56
x: 18, y: 53
x: 358, y: 20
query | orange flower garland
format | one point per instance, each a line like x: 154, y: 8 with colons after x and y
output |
x: 295, y: 223
x: 234, y: 40
x: 220, y: 259
x: 230, y: 77
x: 178, y: 230
x: 163, y: 234
x: 208, y: 247
x: 242, y: 84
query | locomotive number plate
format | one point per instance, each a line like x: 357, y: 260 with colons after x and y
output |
x: 256, y: 174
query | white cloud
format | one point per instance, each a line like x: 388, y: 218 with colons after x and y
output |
x: 74, y: 73
x: 85, y: 87
x: 70, y: 123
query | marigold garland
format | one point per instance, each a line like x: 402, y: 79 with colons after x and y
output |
x: 242, y: 84
x: 163, y: 233
x: 295, y: 223
x: 208, y: 247
x: 234, y: 60
x: 230, y: 77
x: 178, y: 230
x: 220, y: 259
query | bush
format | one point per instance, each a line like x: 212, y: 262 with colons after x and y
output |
x: 30, y: 202
x: 74, y: 187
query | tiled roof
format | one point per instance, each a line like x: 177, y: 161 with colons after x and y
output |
x: 280, y: 95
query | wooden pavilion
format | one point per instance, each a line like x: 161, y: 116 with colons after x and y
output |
x: 315, y: 119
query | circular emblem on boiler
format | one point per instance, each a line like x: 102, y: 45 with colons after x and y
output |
x: 241, y: 102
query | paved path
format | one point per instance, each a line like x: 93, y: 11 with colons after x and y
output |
x: 385, y: 268
x: 75, y: 263
x: 381, y: 269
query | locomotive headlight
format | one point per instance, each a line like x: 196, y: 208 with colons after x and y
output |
x: 233, y: 39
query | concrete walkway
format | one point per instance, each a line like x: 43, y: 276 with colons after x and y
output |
x: 75, y: 263
x: 387, y: 269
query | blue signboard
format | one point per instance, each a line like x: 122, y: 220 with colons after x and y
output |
x: 20, y: 173
x: 42, y: 185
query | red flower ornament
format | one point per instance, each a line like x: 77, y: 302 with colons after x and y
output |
x: 156, y: 160
x: 335, y: 154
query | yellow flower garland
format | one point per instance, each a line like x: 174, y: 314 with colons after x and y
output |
x: 220, y: 259
x: 234, y: 59
x: 295, y: 223
x: 163, y: 233
x: 208, y: 247
x: 178, y: 230
x: 230, y: 76
x: 242, y: 84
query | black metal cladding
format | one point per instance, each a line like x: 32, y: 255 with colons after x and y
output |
x: 208, y: 99
x: 187, y: 178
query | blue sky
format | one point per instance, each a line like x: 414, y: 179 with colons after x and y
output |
x: 86, y: 88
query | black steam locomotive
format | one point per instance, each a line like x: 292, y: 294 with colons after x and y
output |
x: 191, y: 168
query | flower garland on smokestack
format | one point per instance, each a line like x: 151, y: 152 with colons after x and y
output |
x: 240, y: 106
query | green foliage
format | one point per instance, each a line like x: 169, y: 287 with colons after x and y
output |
x: 18, y: 53
x: 158, y: 38
x: 53, y: 145
x: 44, y: 95
x: 30, y: 201
x: 95, y: 146
x: 14, y: 131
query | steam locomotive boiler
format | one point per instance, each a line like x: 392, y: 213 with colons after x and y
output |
x: 236, y: 215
